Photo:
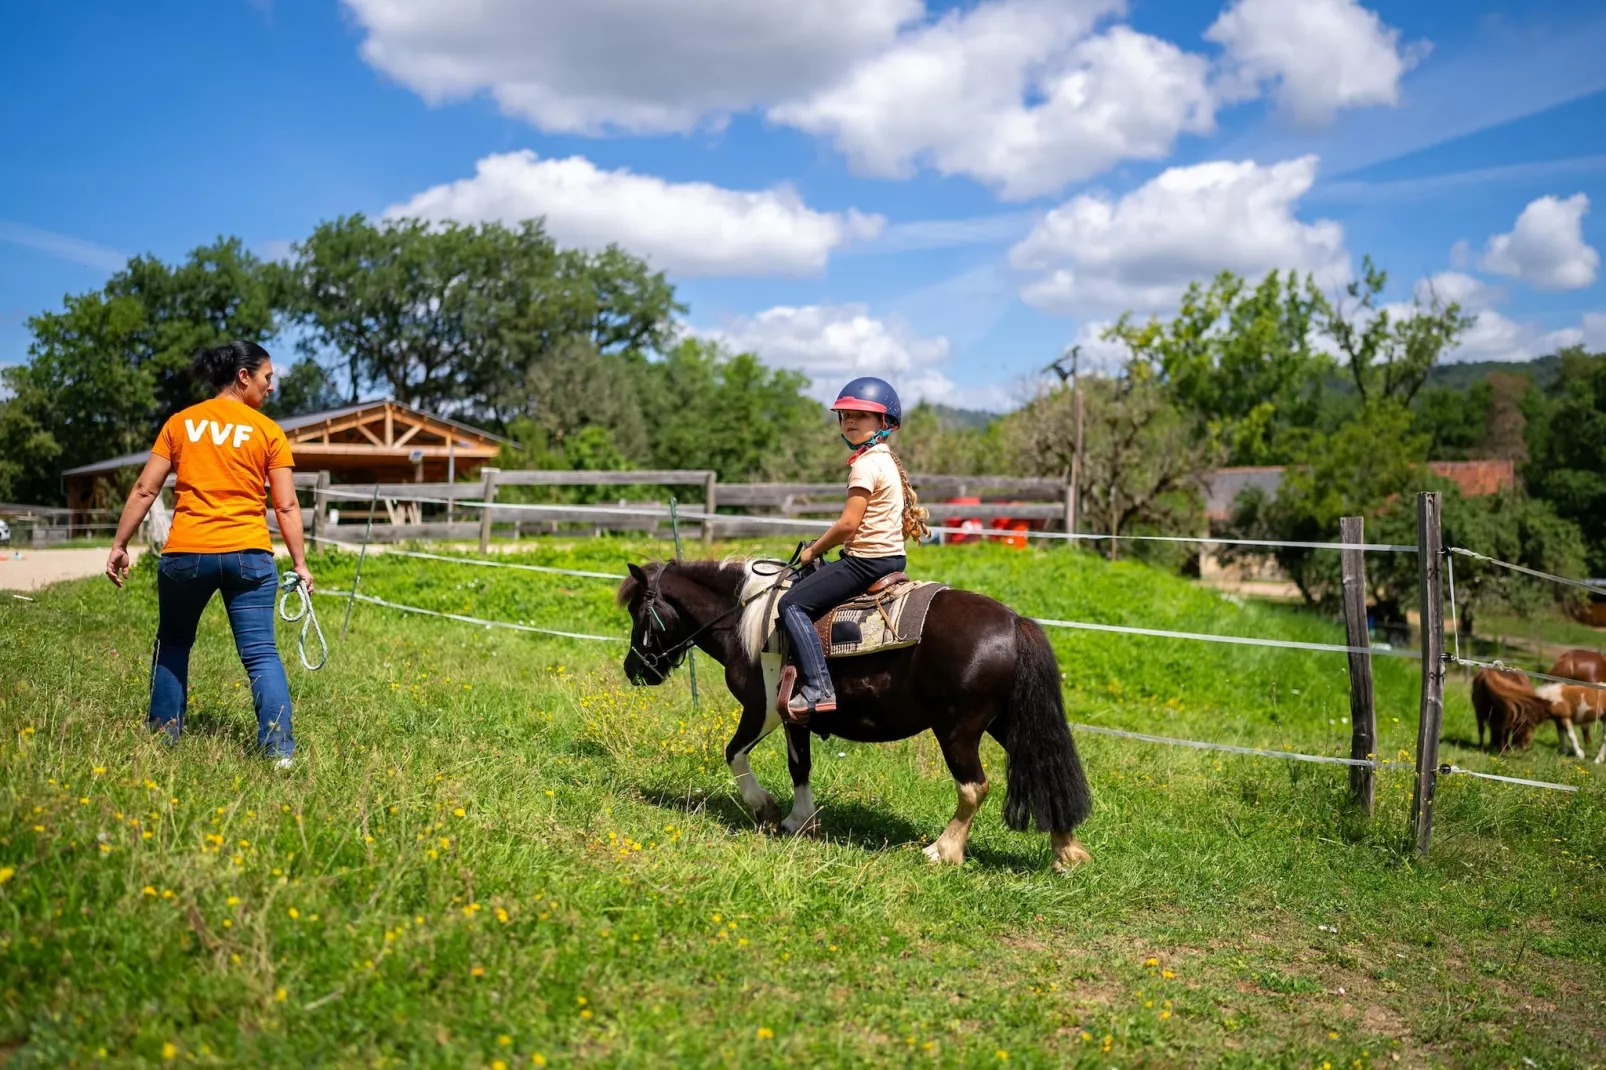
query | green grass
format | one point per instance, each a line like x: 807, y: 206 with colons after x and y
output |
x: 491, y: 849
x: 1550, y: 628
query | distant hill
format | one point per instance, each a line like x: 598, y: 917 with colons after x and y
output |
x: 1542, y: 371
x: 963, y: 419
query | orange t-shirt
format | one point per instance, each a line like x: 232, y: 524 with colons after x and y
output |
x: 221, y: 452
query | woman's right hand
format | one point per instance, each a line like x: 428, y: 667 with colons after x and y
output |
x: 305, y: 575
x: 117, y: 565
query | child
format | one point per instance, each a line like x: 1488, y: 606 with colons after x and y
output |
x: 880, y: 514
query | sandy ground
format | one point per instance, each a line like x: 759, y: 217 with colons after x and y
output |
x: 25, y: 570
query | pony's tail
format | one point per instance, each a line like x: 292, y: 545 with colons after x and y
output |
x: 1046, y: 783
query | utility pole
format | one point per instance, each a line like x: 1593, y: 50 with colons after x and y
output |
x: 1073, y: 500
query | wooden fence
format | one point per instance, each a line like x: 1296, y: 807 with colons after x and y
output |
x: 1039, y: 500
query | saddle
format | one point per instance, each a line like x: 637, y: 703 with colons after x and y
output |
x: 889, y: 616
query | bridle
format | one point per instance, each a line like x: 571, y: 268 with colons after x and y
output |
x: 668, y: 660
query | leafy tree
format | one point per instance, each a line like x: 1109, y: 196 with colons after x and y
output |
x: 705, y: 408
x: 1360, y: 470
x: 1454, y: 422
x: 1240, y: 361
x: 1567, y: 442
x: 106, y: 370
x: 933, y: 441
x: 1142, y: 458
x: 1389, y: 353
x: 304, y: 387
x: 453, y: 318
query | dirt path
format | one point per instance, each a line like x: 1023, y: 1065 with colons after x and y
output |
x: 25, y: 570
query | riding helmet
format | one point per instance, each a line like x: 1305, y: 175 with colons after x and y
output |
x: 869, y: 394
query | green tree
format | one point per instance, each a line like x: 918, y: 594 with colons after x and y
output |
x: 304, y: 387
x: 1143, y: 459
x: 106, y: 370
x: 706, y: 408
x: 1240, y: 360
x: 453, y: 318
x: 1567, y: 445
x: 1389, y: 353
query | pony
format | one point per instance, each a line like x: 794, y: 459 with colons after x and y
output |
x: 1581, y: 665
x: 1507, y: 704
x: 1570, y: 705
x: 980, y: 668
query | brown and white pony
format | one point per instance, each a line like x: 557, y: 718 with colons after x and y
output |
x: 1581, y: 665
x: 979, y: 669
x: 1505, y: 703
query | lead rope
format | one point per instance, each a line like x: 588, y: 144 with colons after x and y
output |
x: 291, y: 584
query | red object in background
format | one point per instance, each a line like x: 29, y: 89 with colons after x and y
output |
x: 960, y: 529
x: 969, y: 529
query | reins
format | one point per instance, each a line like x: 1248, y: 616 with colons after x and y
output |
x: 671, y: 657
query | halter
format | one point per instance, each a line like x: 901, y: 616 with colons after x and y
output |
x: 669, y: 660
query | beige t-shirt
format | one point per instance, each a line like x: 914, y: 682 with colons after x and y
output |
x: 880, y: 534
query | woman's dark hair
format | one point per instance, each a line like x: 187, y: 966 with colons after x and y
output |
x: 220, y: 365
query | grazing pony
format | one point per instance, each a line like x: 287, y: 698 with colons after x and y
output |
x: 1506, y: 702
x: 980, y: 668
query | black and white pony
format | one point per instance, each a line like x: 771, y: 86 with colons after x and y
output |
x: 980, y: 668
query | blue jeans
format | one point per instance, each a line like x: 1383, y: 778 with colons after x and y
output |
x: 248, y: 580
x: 827, y: 587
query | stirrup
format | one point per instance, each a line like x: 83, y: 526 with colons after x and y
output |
x: 784, y: 698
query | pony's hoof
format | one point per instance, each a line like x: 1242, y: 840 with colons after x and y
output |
x: 1069, y: 855
x: 800, y: 827
x: 937, y: 856
x: 768, y: 815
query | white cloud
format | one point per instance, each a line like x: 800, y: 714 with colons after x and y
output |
x: 1138, y: 253
x: 1546, y: 248
x: 688, y: 228
x: 1494, y: 335
x: 63, y: 246
x: 835, y: 343
x: 637, y: 65
x: 1321, y: 55
x: 1015, y: 94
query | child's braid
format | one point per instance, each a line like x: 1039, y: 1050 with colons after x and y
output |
x: 914, y: 515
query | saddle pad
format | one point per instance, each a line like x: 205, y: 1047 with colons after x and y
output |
x: 891, y: 620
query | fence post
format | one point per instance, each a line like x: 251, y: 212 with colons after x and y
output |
x: 488, y: 496
x: 710, y: 500
x: 1430, y: 567
x: 691, y: 655
x: 320, y: 505
x: 1362, y: 713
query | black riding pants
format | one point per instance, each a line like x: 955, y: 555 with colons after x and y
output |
x: 809, y: 599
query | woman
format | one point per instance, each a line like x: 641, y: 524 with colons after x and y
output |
x: 881, y: 512
x: 223, y: 452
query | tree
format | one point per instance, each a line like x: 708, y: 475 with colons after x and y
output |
x: 304, y: 387
x: 1389, y: 353
x: 453, y: 318
x: 1240, y: 361
x: 1567, y: 444
x: 706, y: 408
x: 1143, y: 459
x: 106, y: 370
x: 1360, y: 470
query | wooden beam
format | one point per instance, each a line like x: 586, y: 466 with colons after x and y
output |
x: 411, y: 431
x: 379, y: 452
x: 390, y: 426
x: 530, y: 478
x: 1430, y: 567
x: 370, y: 436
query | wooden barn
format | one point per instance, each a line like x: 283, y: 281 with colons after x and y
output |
x: 374, y: 441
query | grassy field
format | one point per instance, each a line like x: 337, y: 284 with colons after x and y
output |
x: 493, y: 853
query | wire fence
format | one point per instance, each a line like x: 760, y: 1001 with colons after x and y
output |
x: 1369, y: 762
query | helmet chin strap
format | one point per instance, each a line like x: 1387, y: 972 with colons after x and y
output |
x: 878, y: 437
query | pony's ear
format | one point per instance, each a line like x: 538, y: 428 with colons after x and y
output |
x: 636, y: 573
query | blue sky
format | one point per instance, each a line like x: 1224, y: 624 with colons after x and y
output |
x: 946, y: 194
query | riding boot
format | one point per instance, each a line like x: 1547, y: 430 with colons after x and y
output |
x: 817, y: 695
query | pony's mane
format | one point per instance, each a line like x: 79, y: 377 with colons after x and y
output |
x: 707, y: 572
